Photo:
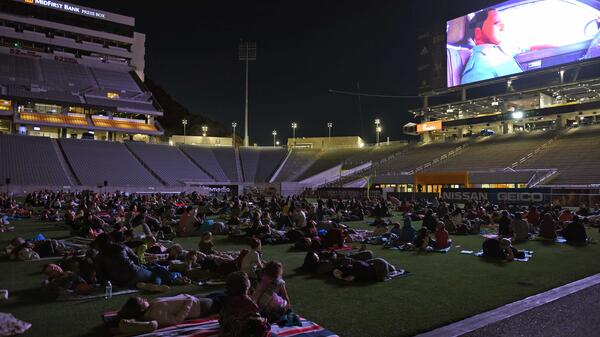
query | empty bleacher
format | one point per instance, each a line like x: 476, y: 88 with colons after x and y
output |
x: 94, y: 162
x: 115, y: 79
x: 575, y: 154
x: 494, y: 152
x: 297, y: 163
x: 226, y: 158
x: 19, y: 70
x: 169, y: 163
x: 28, y: 160
x: 204, y: 157
x: 259, y: 164
x: 62, y: 75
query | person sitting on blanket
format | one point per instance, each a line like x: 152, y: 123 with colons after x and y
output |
x: 119, y: 264
x: 374, y: 270
x: 252, y: 260
x: 565, y: 216
x: 336, y: 237
x: 206, y: 244
x: 574, y: 232
x: 422, y: 240
x: 548, y: 227
x: 408, y: 232
x: 168, y: 311
x: 504, y: 223
x: 271, y: 295
x: 501, y: 248
x: 520, y: 228
x: 187, y: 222
x: 429, y: 221
x: 240, y: 315
x: 442, y: 238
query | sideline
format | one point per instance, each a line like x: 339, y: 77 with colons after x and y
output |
x: 512, y: 309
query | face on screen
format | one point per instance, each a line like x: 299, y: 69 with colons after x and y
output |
x: 521, y: 35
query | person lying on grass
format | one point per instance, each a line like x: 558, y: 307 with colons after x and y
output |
x: 374, y: 270
x: 240, y: 315
x: 501, y: 249
x: 168, y: 311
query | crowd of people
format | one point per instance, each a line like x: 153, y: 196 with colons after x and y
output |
x: 129, y: 243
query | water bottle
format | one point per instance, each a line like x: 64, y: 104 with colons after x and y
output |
x: 108, y: 290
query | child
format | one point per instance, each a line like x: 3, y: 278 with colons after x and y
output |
x: 271, y: 295
x: 441, y: 237
x: 240, y: 316
x: 251, y: 261
x: 206, y: 245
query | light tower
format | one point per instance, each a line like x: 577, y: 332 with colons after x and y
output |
x: 329, y: 126
x: 247, y: 52
x: 274, y: 133
x: 378, y: 129
x: 233, y: 125
x: 294, y: 127
x: 204, y: 130
x: 184, y: 122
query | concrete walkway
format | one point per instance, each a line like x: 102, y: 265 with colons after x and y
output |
x: 570, y: 310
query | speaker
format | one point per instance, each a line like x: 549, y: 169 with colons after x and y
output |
x: 7, y: 181
x: 105, y: 183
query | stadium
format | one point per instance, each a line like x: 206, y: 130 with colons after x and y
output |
x: 498, y: 139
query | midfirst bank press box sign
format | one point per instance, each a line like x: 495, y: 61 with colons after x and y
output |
x: 66, y: 7
x: 517, y: 196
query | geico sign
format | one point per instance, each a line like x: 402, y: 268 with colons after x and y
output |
x: 523, y: 196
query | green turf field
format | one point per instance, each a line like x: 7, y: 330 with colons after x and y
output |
x: 443, y: 288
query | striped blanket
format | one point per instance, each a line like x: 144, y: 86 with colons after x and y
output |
x: 209, y: 327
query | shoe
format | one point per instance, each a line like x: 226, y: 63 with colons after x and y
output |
x: 155, y: 288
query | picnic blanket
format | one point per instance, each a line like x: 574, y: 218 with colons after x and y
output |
x: 444, y: 250
x: 558, y: 239
x: 359, y: 235
x: 528, y: 255
x: 397, y: 274
x: 209, y: 327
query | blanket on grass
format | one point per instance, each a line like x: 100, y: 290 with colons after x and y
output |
x: 528, y: 255
x: 209, y: 327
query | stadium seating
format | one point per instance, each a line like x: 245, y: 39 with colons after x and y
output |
x: 94, y: 162
x: 226, y: 158
x: 204, y: 157
x: 19, y: 70
x: 62, y: 75
x: 29, y: 160
x: 575, y: 154
x: 259, y: 164
x: 114, y: 79
x: 168, y: 163
x: 494, y: 152
x: 297, y: 163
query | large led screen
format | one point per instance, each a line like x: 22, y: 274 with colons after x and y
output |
x: 517, y: 36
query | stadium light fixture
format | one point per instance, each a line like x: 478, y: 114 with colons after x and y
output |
x: 184, y: 122
x: 204, y: 130
x: 36, y: 128
x: 233, y: 125
x: 517, y: 115
x: 294, y: 127
x: 329, y: 126
x: 247, y: 52
x: 377, y: 129
x: 274, y: 133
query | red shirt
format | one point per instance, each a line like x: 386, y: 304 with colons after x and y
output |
x: 441, y: 238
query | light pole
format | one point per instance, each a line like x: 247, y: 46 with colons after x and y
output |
x: 184, y: 122
x: 274, y: 133
x: 247, y: 52
x: 204, y: 130
x: 294, y: 126
x: 233, y: 125
x: 377, y: 130
x: 329, y: 126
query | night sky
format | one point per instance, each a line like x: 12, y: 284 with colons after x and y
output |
x: 304, y: 49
